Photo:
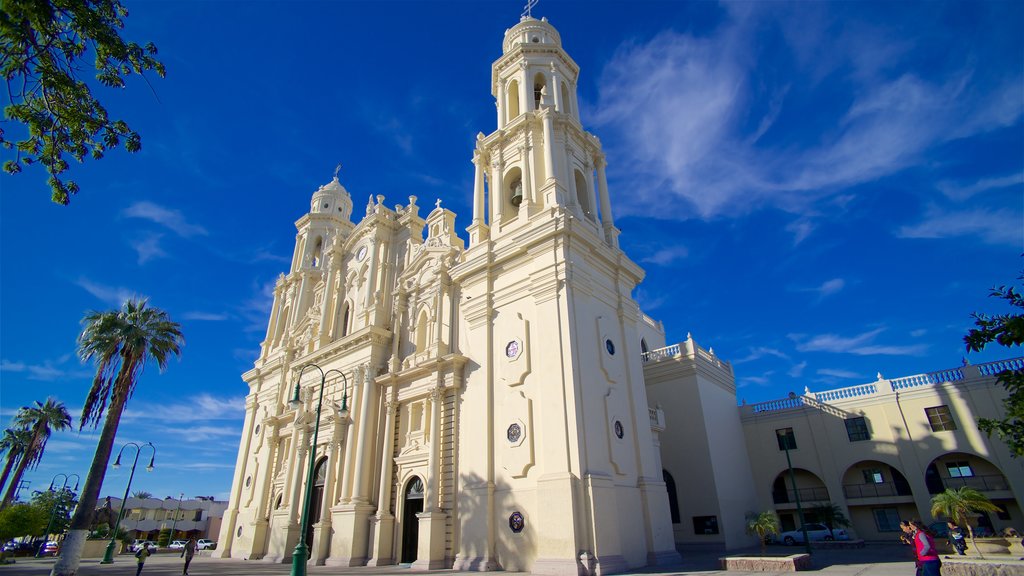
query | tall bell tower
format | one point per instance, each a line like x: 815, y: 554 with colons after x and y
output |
x: 561, y: 473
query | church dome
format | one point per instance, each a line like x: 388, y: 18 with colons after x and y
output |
x: 530, y: 31
x: 332, y: 198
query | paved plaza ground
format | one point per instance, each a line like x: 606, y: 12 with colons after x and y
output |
x: 873, y: 560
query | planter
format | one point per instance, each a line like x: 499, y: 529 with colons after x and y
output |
x: 791, y: 563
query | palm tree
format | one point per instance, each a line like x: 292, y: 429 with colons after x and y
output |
x: 959, y: 505
x: 831, y: 515
x: 120, y: 342
x: 40, y: 420
x: 141, y: 494
x: 761, y: 525
x: 13, y: 442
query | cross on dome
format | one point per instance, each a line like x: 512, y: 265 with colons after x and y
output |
x: 336, y: 170
x: 528, y: 11
x: 437, y: 204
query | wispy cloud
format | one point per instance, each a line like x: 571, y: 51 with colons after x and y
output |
x: 837, y: 373
x: 755, y: 380
x: 797, y: 370
x: 113, y: 295
x: 148, y: 248
x: 48, y: 371
x: 167, y: 217
x: 960, y: 191
x: 861, y: 345
x: 205, y: 316
x: 682, y: 108
x: 666, y: 256
x: 999, y: 226
x: 758, y: 352
x: 199, y: 408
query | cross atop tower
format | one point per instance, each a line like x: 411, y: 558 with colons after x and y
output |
x: 528, y: 11
x: 336, y: 170
x: 437, y: 204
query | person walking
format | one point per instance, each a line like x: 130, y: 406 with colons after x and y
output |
x: 187, y: 553
x: 928, y: 563
x: 141, y: 554
x: 956, y: 538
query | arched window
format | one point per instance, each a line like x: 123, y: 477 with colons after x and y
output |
x: 583, y: 194
x: 539, y: 85
x: 422, y: 326
x: 512, y: 96
x: 318, y: 250
x: 566, y: 103
x: 344, y: 319
x: 673, y: 499
x: 643, y: 346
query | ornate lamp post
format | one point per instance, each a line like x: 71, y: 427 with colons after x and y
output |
x: 785, y: 441
x: 175, y: 522
x: 301, y: 553
x: 108, y: 556
x: 56, y: 504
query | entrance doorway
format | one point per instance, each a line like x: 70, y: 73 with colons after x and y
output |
x: 413, y: 505
x: 316, y: 500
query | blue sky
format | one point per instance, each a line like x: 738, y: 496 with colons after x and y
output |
x: 818, y: 191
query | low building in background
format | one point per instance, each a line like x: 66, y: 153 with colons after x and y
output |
x: 144, y: 518
x: 880, y: 451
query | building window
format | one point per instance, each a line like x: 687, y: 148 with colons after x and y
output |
x: 959, y: 469
x: 857, y: 429
x: 940, y: 418
x: 873, y: 476
x: 785, y: 438
x: 887, y: 519
x: 705, y: 525
x: 673, y: 498
x: 1003, y: 514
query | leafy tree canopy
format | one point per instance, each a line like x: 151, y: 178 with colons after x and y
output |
x: 1006, y: 330
x: 21, y: 520
x: 45, y: 46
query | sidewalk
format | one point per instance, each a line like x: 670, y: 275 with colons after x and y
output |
x: 874, y: 560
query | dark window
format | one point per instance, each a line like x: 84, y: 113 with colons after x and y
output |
x: 959, y: 469
x: 705, y: 525
x: 873, y: 476
x: 197, y: 516
x: 1003, y: 514
x: 857, y: 429
x: 673, y: 498
x: 940, y: 418
x: 785, y: 438
x: 887, y: 519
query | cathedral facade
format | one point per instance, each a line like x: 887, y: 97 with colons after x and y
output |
x: 485, y: 407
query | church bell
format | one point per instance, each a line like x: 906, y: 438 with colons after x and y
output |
x: 517, y: 193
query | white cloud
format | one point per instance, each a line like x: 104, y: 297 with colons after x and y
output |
x: 167, y: 217
x: 666, y: 256
x: 204, y: 316
x: 960, y: 191
x: 693, y: 115
x: 800, y: 229
x: 198, y: 408
x: 755, y: 380
x: 861, y: 345
x: 148, y: 248
x: 1001, y: 226
x: 837, y: 373
x: 113, y: 295
x: 47, y: 371
x: 797, y: 370
x: 758, y: 352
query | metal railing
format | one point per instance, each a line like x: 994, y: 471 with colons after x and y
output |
x: 806, y: 495
x: 875, y: 490
x: 986, y: 483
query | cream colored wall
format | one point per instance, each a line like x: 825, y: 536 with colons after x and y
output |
x: 901, y: 437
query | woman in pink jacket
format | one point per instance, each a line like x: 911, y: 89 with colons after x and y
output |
x: 928, y: 563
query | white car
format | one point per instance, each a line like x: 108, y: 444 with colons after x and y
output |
x: 815, y: 532
x: 177, y: 545
x: 206, y: 544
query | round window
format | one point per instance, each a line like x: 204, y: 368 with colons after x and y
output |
x: 610, y: 347
x: 516, y: 522
x: 248, y: 480
x: 515, y: 432
x: 512, y: 349
x: 257, y: 430
x: 619, y: 432
x: 239, y: 532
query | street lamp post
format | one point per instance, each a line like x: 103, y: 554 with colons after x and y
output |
x: 301, y: 553
x: 785, y: 439
x: 175, y: 522
x: 56, y: 504
x: 108, y: 556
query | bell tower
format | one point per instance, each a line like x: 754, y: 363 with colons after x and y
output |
x: 561, y: 474
x: 540, y: 157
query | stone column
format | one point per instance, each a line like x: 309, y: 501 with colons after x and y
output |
x: 384, y: 521
x: 549, y: 147
x: 497, y: 191
x: 371, y: 281
x: 524, y: 151
x: 359, y: 493
x: 606, y: 206
x: 478, y: 190
x: 555, y: 82
x: 501, y: 103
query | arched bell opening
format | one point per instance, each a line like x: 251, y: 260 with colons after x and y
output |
x: 512, y: 96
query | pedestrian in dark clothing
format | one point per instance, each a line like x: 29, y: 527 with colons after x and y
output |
x: 188, y: 553
x: 956, y: 538
x: 141, y: 555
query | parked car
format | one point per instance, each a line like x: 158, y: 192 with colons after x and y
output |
x: 205, y: 544
x: 176, y: 545
x: 50, y: 549
x: 136, y: 545
x: 16, y: 548
x: 815, y: 532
